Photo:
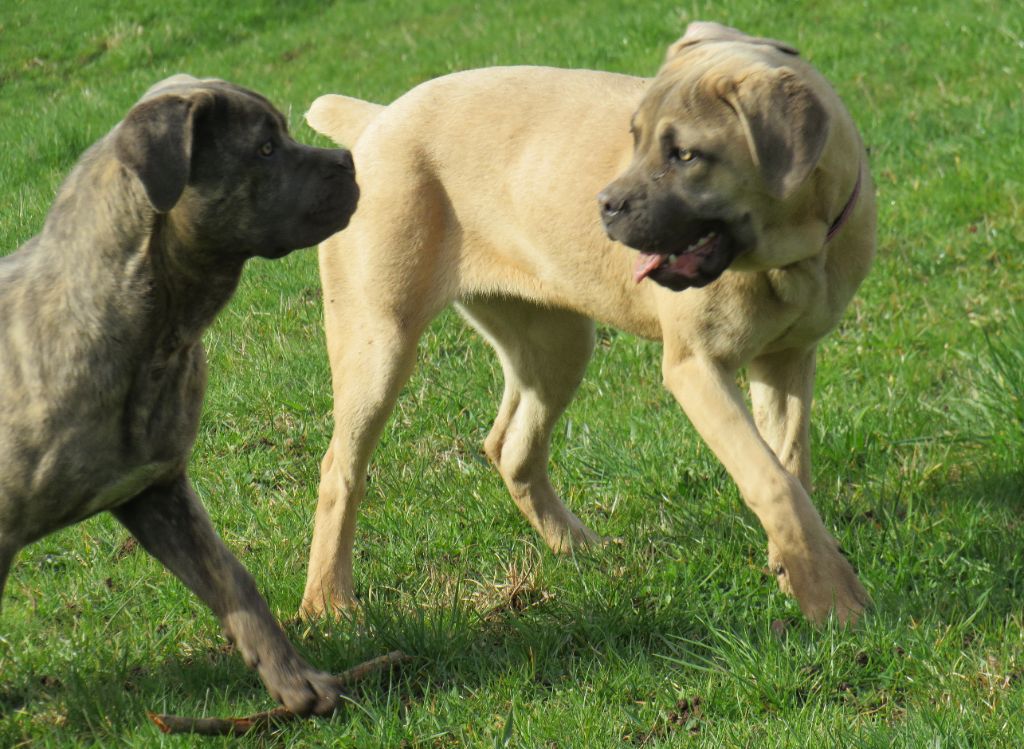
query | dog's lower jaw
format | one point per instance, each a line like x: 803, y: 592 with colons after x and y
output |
x: 274, y: 253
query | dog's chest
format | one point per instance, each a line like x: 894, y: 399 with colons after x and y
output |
x: 60, y: 488
x: 129, y: 485
x: 805, y: 294
x: 101, y: 448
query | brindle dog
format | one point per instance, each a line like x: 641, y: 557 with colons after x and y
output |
x: 102, y: 370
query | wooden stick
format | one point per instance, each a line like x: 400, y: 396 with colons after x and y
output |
x: 264, y: 721
x: 361, y: 670
x: 269, y: 719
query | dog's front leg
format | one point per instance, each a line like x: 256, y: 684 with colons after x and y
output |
x: 781, y: 390
x: 818, y: 574
x: 172, y: 525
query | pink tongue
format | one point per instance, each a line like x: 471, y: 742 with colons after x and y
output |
x: 646, y: 264
x: 687, y: 265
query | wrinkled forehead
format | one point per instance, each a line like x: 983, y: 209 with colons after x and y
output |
x: 245, y: 103
x: 679, y: 95
x: 231, y: 100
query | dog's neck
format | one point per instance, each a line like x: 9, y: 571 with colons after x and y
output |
x: 130, y: 261
x: 188, y: 288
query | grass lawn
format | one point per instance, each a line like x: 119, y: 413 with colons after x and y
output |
x: 671, y: 637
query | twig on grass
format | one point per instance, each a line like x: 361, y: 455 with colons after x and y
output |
x: 268, y: 719
x: 264, y: 721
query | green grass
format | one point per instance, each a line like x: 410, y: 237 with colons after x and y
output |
x: 666, y: 639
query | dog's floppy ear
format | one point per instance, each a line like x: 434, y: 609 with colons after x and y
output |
x: 699, y: 32
x: 155, y: 142
x: 785, y: 123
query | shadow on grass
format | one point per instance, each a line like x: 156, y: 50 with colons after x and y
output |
x: 947, y: 550
x: 999, y: 487
x: 933, y: 558
x: 542, y: 649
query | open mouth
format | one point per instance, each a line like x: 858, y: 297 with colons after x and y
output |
x: 698, y: 262
x: 686, y: 263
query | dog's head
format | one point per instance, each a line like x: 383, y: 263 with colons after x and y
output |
x: 725, y: 135
x: 218, y: 159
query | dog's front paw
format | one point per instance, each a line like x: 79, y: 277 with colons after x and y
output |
x: 301, y: 688
x: 777, y: 568
x: 824, y: 584
x: 291, y: 681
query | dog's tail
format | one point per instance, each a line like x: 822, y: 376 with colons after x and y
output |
x: 341, y: 118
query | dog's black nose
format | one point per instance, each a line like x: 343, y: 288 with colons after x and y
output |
x: 612, y: 206
x: 345, y: 160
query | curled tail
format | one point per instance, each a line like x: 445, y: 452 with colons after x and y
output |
x: 341, y: 118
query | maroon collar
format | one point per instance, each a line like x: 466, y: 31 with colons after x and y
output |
x: 847, y: 209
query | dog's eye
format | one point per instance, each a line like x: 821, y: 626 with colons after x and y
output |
x: 267, y: 149
x: 682, y: 154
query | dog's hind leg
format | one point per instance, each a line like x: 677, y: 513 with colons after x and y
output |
x: 369, y: 370
x: 544, y: 353
x: 172, y: 525
x: 376, y: 305
x: 384, y: 279
x: 7, y: 552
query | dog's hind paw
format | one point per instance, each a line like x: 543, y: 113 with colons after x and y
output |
x: 573, y: 536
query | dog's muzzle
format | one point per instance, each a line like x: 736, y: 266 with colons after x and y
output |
x: 677, y: 251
